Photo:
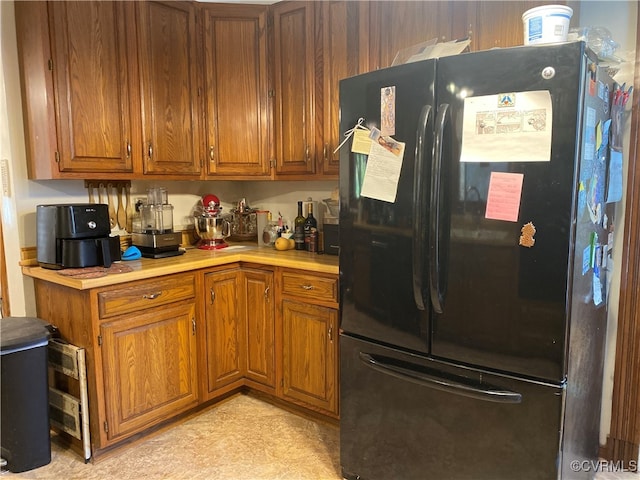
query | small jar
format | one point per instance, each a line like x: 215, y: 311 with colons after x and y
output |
x: 270, y: 232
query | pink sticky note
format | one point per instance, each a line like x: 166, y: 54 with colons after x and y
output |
x: 503, y: 199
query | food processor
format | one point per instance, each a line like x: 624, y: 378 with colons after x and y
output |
x: 212, y: 226
x: 154, y: 235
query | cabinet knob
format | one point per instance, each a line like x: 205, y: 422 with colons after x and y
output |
x: 151, y: 296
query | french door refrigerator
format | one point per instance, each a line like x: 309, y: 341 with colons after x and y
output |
x: 473, y: 276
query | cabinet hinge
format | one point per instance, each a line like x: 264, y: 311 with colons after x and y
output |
x: 99, y: 340
x: 106, y: 426
x: 50, y: 64
x: 57, y: 157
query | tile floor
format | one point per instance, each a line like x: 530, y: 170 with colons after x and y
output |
x: 241, y: 438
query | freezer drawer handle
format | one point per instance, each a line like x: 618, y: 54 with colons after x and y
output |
x: 419, y: 239
x: 472, y: 390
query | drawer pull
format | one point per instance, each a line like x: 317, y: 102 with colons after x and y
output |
x: 212, y: 295
x: 307, y: 287
x: 266, y: 294
x: 152, y: 296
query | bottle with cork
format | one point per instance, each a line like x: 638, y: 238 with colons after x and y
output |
x: 309, y: 223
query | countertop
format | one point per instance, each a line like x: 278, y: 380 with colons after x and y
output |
x: 194, y: 259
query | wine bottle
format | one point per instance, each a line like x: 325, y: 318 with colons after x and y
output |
x: 309, y: 223
x: 298, y: 229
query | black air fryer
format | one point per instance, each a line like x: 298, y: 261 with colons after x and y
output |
x: 74, y: 236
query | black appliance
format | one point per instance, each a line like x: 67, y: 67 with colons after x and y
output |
x: 472, y: 342
x: 75, y: 236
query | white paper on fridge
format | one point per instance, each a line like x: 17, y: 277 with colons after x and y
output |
x: 507, y: 127
x: 383, y: 168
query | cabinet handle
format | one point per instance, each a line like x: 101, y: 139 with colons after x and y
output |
x: 150, y: 150
x: 193, y: 325
x: 211, y: 152
x: 324, y: 151
x: 212, y: 294
x: 266, y: 294
x: 307, y: 287
x: 152, y: 296
x: 306, y: 153
x: 128, y: 149
x: 331, y: 334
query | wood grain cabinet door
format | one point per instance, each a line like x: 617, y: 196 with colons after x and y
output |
x: 167, y: 58
x: 260, y: 316
x: 225, y: 328
x: 309, y: 350
x: 294, y: 63
x: 149, y: 367
x: 91, y: 45
x: 339, y: 20
x: 236, y: 90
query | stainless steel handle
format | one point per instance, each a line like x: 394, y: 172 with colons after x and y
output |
x: 212, y: 295
x: 419, y: 375
x: 307, y: 287
x: 437, y: 298
x: 150, y: 150
x: 419, y: 235
x: 151, y: 296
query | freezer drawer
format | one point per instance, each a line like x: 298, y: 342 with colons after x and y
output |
x: 405, y: 416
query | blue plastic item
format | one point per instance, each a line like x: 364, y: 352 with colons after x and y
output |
x: 131, y: 253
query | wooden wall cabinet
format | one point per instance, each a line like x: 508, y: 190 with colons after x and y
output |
x: 294, y: 87
x: 80, y: 110
x: 236, y: 120
x: 167, y: 39
x: 309, y: 317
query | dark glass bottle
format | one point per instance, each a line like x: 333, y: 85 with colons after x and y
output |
x: 298, y: 229
x: 309, y: 223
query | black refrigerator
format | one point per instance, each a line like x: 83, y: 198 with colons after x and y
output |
x: 473, y: 272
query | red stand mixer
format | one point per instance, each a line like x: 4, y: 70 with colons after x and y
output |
x: 212, y: 226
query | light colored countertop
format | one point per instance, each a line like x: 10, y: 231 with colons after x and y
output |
x: 194, y: 259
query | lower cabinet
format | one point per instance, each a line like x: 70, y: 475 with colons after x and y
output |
x: 309, y: 352
x: 309, y: 316
x: 149, y: 364
x: 239, y: 318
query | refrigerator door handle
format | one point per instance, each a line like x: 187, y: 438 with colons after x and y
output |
x: 437, y: 299
x: 473, y: 390
x: 418, y: 200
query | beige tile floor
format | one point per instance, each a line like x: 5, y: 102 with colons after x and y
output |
x: 243, y: 438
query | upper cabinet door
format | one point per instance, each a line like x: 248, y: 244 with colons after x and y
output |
x: 167, y: 59
x: 398, y: 25
x: 339, y: 60
x: 294, y: 63
x: 90, y: 45
x: 236, y: 90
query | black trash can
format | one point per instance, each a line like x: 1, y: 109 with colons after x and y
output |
x: 24, y: 396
